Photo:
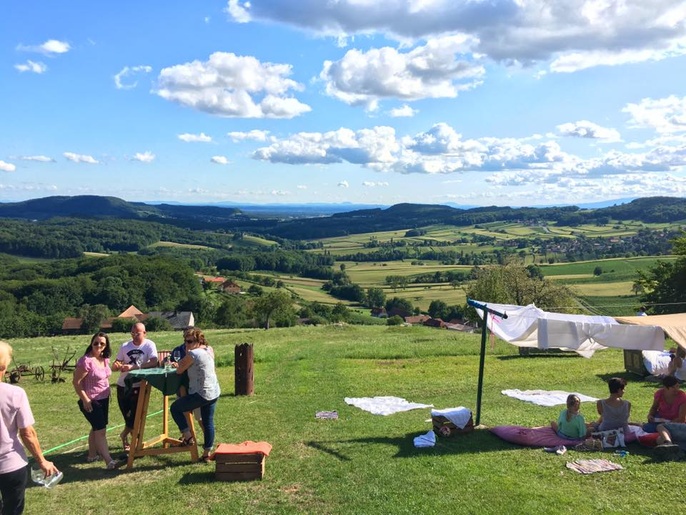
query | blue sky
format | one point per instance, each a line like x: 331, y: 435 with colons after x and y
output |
x: 473, y: 102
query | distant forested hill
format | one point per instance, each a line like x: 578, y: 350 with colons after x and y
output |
x: 400, y: 216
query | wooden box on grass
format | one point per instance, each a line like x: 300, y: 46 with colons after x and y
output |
x: 239, y: 467
x: 633, y: 362
x: 444, y: 427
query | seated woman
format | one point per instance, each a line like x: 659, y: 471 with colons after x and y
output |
x: 669, y: 405
x: 614, y: 411
x: 203, y: 390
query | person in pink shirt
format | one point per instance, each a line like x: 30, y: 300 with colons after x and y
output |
x: 16, y: 423
x: 669, y: 405
x: 92, y: 384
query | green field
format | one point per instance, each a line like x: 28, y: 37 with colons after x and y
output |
x: 501, y: 231
x: 360, y: 463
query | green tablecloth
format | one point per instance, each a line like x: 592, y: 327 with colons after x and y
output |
x: 166, y: 381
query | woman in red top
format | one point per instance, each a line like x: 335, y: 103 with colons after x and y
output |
x: 669, y: 405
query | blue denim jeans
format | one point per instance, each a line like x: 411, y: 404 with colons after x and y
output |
x: 189, y: 403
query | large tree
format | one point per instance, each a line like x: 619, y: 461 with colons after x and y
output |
x: 275, y: 304
x: 513, y: 284
x: 664, y: 285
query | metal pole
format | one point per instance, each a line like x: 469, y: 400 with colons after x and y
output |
x: 482, y: 357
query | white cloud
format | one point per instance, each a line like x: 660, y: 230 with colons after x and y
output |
x: 301, y: 187
x: 232, y: 86
x: 429, y: 71
x: 40, y: 159
x: 374, y: 184
x: 590, y: 130
x: 80, y: 158
x: 238, y: 11
x: 195, y: 138
x: 439, y: 150
x: 145, y: 157
x: 127, y: 72
x: 220, y: 160
x: 343, y: 184
x: 31, y: 66
x: 405, y: 111
x: 363, y: 147
x: 7, y: 167
x: 574, y: 34
x: 664, y: 115
x: 51, y: 47
x: 280, y: 193
x: 253, y: 135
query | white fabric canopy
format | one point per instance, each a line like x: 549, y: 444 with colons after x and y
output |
x: 674, y: 325
x: 529, y: 326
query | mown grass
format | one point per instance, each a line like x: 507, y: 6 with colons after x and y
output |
x: 360, y: 463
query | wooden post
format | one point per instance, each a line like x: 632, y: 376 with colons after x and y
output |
x: 243, y: 368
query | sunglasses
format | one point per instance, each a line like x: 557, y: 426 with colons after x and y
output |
x: 99, y: 344
x: 189, y: 341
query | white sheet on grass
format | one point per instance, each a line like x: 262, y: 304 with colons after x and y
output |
x: 546, y: 397
x: 384, y: 405
x: 529, y: 326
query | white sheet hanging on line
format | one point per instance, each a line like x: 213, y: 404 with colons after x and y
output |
x: 529, y: 326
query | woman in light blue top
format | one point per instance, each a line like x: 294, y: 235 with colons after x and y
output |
x: 203, y: 390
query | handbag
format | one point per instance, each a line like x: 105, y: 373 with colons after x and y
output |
x: 611, y: 439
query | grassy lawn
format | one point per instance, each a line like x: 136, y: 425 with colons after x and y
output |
x: 360, y: 463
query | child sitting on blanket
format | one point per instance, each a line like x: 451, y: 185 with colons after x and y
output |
x: 571, y: 423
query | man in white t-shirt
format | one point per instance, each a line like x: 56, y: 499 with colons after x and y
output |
x: 137, y: 353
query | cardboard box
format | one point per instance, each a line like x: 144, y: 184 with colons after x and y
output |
x: 444, y: 427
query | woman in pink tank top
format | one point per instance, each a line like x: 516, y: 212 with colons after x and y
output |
x: 92, y: 385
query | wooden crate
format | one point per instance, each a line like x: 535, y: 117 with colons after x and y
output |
x: 444, y: 427
x: 239, y: 467
x: 633, y: 362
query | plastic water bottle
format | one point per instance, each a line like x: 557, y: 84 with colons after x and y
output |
x: 38, y: 477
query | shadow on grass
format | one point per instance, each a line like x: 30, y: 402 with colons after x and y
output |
x: 565, y: 355
x: 200, y: 476
x: 633, y: 379
x: 479, y: 441
x: 76, y: 470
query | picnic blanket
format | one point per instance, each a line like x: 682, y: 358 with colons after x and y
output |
x: 545, y: 397
x: 593, y: 466
x: 384, y: 405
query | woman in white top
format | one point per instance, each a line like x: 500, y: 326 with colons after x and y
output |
x: 203, y: 389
